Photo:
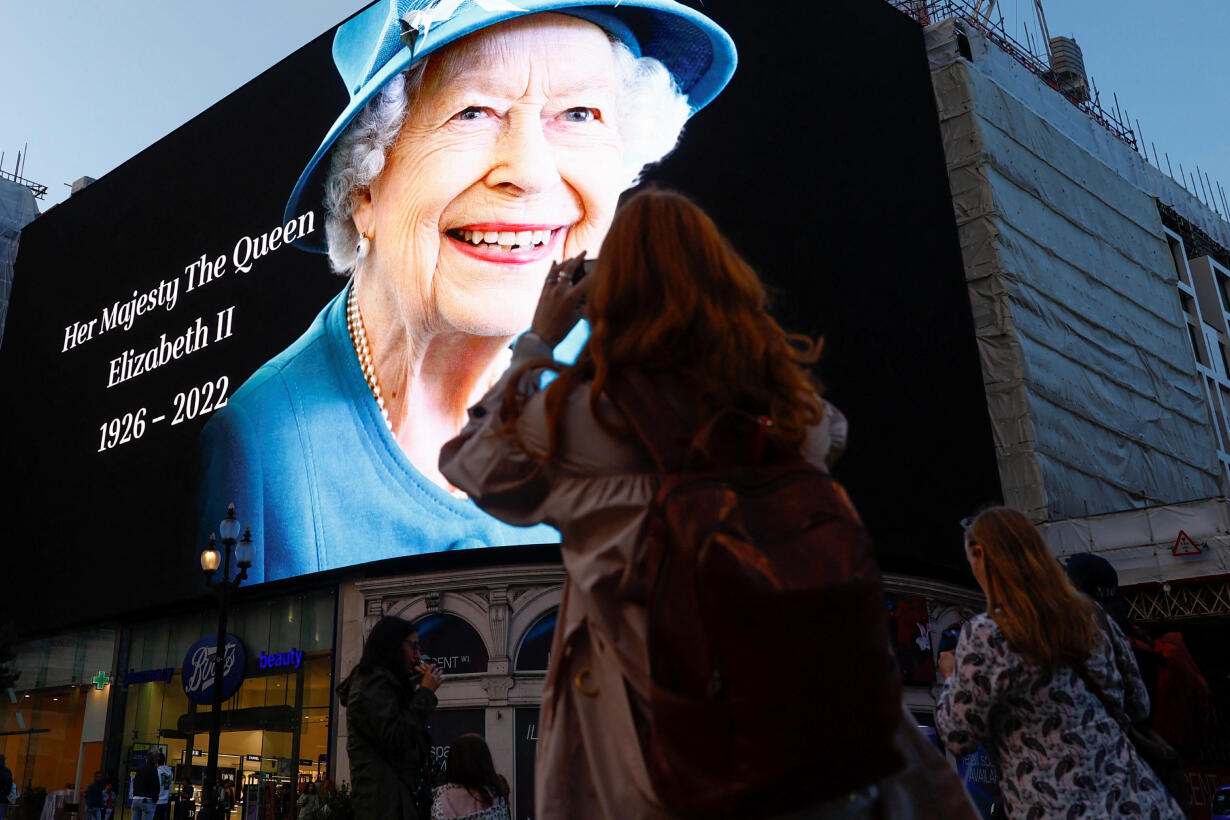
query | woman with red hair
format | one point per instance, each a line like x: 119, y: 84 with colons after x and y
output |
x: 670, y: 299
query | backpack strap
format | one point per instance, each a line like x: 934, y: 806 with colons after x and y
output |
x: 654, y: 420
x: 1113, y: 709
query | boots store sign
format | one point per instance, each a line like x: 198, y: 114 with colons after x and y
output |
x: 198, y: 670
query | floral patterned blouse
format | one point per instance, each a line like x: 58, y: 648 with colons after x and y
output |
x: 1061, y: 754
x: 454, y: 802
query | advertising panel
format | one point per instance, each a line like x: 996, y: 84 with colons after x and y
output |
x: 178, y: 340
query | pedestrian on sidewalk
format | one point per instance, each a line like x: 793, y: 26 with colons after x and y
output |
x: 1015, y: 685
x: 166, y: 782
x: 95, y: 802
x: 145, y: 788
x: 6, y: 787
x: 184, y: 805
x: 388, y: 696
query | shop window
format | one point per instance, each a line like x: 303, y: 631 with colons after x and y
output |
x: 318, y: 681
x: 452, y: 643
x: 534, y: 653
x: 277, y: 729
x: 46, y: 739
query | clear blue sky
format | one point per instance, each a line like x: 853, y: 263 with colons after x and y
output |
x: 1169, y: 62
x: 90, y: 84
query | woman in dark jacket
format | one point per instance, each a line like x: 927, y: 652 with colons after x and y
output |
x: 386, y: 721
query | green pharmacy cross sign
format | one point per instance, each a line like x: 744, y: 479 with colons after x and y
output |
x: 101, y: 680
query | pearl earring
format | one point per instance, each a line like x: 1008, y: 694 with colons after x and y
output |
x: 365, y: 245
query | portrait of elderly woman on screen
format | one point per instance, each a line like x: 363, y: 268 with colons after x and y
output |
x: 484, y: 140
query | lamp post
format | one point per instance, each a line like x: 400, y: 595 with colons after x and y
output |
x: 211, y: 559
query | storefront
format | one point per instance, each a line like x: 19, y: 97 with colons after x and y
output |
x: 53, y: 720
x: 276, y: 724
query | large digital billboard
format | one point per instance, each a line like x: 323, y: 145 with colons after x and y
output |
x: 178, y: 342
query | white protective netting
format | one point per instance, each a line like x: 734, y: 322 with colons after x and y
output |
x: 17, y: 209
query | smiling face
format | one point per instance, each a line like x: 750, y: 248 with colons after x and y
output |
x: 509, y: 159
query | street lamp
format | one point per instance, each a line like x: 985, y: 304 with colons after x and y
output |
x: 211, y: 559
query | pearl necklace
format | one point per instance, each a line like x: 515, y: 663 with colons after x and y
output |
x: 358, y: 338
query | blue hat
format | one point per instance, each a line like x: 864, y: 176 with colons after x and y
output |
x: 387, y: 37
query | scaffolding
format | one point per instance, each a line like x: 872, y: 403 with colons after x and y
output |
x: 977, y: 15
x: 1178, y: 600
x: 17, y: 209
x: 974, y: 14
x: 39, y: 190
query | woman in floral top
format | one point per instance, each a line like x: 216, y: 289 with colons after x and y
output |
x: 1011, y: 686
x: 472, y: 789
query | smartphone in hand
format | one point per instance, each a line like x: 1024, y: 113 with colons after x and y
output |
x: 584, y: 269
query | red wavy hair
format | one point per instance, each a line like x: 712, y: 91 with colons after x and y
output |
x: 672, y: 297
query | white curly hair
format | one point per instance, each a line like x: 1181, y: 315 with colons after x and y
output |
x: 652, y: 115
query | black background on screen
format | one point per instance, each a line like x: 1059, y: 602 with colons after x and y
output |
x: 822, y: 161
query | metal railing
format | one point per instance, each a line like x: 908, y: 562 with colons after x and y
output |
x: 39, y: 191
x: 1186, y: 599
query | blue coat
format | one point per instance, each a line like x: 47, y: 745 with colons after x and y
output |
x: 303, y: 452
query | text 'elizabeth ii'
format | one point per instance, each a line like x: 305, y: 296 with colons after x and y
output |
x: 132, y: 363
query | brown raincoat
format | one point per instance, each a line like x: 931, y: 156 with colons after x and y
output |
x: 596, y: 492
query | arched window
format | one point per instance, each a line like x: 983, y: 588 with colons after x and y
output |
x: 452, y: 643
x: 534, y: 653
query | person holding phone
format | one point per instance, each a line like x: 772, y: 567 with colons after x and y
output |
x: 669, y: 297
x: 388, y: 696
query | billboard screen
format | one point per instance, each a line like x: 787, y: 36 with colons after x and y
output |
x: 171, y: 346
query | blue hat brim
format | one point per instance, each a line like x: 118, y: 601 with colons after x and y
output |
x: 663, y: 29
